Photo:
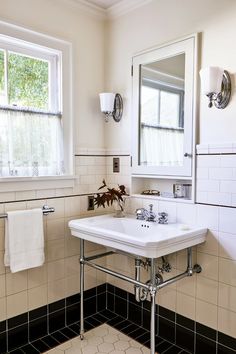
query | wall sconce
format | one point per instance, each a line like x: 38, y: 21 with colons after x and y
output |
x: 216, y: 85
x: 111, y: 105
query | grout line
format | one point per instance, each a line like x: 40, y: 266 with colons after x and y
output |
x: 48, y: 198
x: 102, y: 155
x: 217, y: 205
x: 215, y: 153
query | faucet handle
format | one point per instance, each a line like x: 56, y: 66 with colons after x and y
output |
x: 140, y: 213
x: 163, y: 218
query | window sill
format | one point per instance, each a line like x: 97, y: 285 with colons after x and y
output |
x: 15, y: 184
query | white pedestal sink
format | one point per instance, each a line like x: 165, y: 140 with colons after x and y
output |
x: 147, y: 239
x: 140, y: 238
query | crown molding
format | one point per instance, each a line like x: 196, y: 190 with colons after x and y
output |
x: 91, y: 9
x: 117, y: 10
x: 124, y: 7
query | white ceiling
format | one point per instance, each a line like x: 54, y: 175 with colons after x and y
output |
x: 104, y: 4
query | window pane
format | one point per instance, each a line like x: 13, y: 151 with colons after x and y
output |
x: 2, y: 78
x: 149, y: 105
x: 31, y: 144
x: 169, y: 110
x: 28, y: 81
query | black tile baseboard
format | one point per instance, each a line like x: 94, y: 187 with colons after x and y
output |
x: 54, y: 319
x: 48, y: 326
x: 191, y: 336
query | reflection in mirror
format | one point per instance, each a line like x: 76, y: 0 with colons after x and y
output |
x: 161, y: 130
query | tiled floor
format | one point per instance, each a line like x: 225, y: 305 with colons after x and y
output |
x: 103, y: 339
x: 66, y: 340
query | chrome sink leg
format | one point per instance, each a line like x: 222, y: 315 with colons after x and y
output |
x: 137, y: 289
x: 153, y: 305
x: 81, y: 289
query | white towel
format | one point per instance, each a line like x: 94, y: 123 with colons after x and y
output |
x: 24, y: 239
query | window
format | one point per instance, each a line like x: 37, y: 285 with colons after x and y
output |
x: 162, y: 124
x: 162, y: 106
x: 33, y: 129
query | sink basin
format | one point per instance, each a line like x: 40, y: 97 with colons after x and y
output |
x: 147, y: 239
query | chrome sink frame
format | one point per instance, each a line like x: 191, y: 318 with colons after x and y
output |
x: 152, y: 287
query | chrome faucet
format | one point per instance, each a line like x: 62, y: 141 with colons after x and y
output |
x: 144, y: 214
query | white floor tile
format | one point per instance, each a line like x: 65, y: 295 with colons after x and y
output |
x: 101, y: 340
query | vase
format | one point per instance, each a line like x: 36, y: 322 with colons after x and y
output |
x: 119, y: 207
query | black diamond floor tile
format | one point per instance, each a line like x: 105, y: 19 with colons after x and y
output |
x: 67, y: 332
x: 173, y: 350
x: 75, y: 327
x: 163, y: 346
x: 136, y: 333
x: 93, y: 321
x: 108, y: 314
x: 59, y: 337
x: 115, y: 321
x: 40, y: 346
x: 50, y: 341
x: 100, y: 318
x: 29, y: 349
x: 144, y: 337
x: 129, y: 329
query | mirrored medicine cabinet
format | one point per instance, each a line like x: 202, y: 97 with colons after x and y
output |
x: 164, y: 90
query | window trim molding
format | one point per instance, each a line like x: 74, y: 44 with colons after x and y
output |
x: 65, y: 101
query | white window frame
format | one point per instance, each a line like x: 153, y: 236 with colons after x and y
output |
x: 46, y: 45
x: 54, y: 57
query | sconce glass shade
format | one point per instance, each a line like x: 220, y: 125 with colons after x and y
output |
x: 216, y: 85
x: 107, y: 102
x: 211, y: 79
x: 111, y: 105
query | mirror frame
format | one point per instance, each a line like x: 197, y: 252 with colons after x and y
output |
x: 189, y: 46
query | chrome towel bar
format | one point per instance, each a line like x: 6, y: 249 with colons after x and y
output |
x: 45, y: 209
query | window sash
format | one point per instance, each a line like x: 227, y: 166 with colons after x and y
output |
x: 42, y: 53
x: 160, y: 87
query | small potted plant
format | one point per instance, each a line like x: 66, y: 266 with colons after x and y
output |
x: 111, y: 196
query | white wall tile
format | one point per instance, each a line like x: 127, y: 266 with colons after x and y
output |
x: 221, y: 173
x: 208, y: 161
x: 187, y: 213
x: 205, y: 185
x: 227, y: 220
x: 228, y: 161
x: 207, y: 216
x: 219, y: 198
x: 202, y: 173
x: 201, y: 197
x: 228, y: 186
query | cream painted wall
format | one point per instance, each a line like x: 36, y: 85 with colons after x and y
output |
x: 165, y: 20
x: 60, y: 19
